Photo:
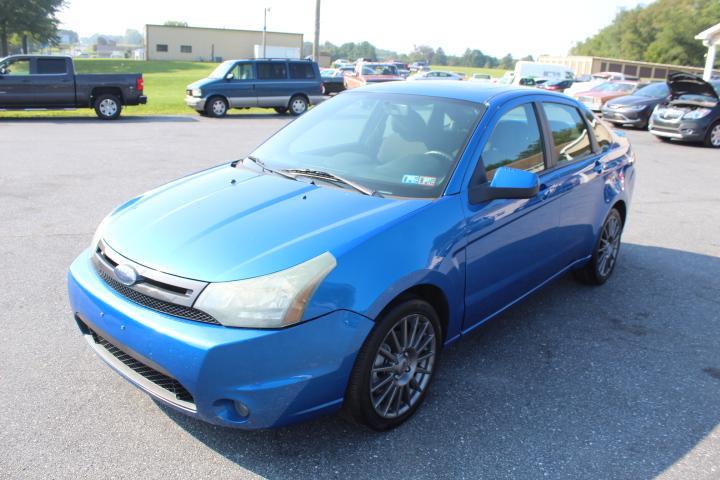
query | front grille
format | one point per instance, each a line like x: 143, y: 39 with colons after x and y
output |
x: 159, y: 379
x: 181, y: 311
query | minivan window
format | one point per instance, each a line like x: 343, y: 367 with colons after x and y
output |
x: 379, y: 140
x: 221, y: 70
x: 243, y: 71
x: 302, y: 71
x: 50, y: 66
x: 515, y: 142
x: 272, y: 70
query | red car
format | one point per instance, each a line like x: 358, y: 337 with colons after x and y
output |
x: 366, y: 73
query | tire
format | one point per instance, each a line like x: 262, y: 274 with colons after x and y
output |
x: 107, y: 106
x: 298, y: 105
x: 393, y: 370
x: 281, y: 110
x: 216, y: 107
x: 712, y: 138
x: 597, y: 271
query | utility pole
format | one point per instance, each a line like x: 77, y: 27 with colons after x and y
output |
x: 264, y: 53
x: 316, y: 43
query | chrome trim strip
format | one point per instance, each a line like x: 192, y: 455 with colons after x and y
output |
x: 665, y: 134
x: 137, y: 379
x: 193, y: 287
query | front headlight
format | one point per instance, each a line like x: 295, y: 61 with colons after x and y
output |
x: 271, y: 301
x: 697, y: 113
x: 196, y: 92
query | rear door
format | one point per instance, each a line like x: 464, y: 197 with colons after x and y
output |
x: 54, y: 82
x: 576, y: 168
x: 273, y: 88
x: 15, y: 88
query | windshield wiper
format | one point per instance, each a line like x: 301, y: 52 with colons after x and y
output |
x: 265, y: 168
x: 307, y: 172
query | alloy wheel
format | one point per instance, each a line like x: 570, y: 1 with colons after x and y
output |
x: 403, y: 366
x: 218, y: 107
x: 609, y: 245
x: 715, y: 136
x: 298, y: 106
x: 108, y: 107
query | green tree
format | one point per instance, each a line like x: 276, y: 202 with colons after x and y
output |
x: 507, y: 62
x: 663, y: 32
x: 440, y: 57
x: 29, y: 19
x: 133, y: 37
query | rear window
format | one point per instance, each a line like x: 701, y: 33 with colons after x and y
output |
x: 569, y: 133
x: 302, y: 71
x: 272, y: 70
x: 49, y: 66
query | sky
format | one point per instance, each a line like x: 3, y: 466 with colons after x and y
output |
x: 518, y: 27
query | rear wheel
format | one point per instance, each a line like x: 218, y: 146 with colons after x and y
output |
x: 216, y: 107
x: 107, y: 106
x: 604, y: 257
x: 298, y: 105
x: 395, y: 366
x: 712, y: 139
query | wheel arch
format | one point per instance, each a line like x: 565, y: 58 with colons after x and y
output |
x: 98, y: 91
x: 428, y: 292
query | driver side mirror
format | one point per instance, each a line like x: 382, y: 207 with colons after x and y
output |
x: 3, y: 71
x: 506, y: 184
x: 229, y: 76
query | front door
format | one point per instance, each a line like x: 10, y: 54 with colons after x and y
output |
x: 512, y: 244
x: 240, y: 89
x: 15, y: 87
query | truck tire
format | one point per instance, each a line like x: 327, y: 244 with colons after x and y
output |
x: 107, y: 106
x: 216, y: 107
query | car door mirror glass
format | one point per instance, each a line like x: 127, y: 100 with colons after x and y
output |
x: 507, y: 183
x: 229, y: 76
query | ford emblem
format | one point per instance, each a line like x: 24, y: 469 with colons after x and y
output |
x: 125, y: 274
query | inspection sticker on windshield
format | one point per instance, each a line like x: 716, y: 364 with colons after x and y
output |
x: 419, y: 180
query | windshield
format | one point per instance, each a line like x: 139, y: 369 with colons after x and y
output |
x: 398, y: 145
x: 654, y: 90
x: 379, y: 69
x: 221, y: 70
x: 615, y: 87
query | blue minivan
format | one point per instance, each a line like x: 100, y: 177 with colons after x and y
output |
x: 330, y: 267
x: 285, y: 85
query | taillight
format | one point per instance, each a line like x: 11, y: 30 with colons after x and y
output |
x: 139, y: 84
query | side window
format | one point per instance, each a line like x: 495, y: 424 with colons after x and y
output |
x: 18, y: 67
x: 185, y: 48
x: 302, y: 71
x: 242, y: 71
x: 51, y: 66
x: 569, y: 132
x: 161, y: 47
x: 515, y: 142
x: 602, y: 135
x: 272, y: 70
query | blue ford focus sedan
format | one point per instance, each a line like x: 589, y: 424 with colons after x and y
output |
x: 328, y: 269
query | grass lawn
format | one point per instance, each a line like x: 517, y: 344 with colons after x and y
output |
x: 165, y: 83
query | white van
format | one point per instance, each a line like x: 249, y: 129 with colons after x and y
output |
x: 546, y: 71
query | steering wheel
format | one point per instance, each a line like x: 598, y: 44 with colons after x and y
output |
x: 440, y: 154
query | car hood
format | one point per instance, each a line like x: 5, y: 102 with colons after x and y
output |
x: 230, y: 223
x: 630, y: 100
x: 685, y: 83
x: 201, y: 83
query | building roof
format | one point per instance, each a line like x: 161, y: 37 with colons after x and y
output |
x: 712, y: 34
x: 221, y: 29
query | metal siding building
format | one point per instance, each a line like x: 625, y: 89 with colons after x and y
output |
x: 645, y: 70
x: 212, y: 44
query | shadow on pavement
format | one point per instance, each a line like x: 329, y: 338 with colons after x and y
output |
x: 122, y: 119
x: 618, y: 381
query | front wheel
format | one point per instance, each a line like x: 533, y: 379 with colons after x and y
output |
x: 712, y: 139
x: 395, y: 366
x: 604, y: 257
x: 107, y: 107
x: 298, y: 105
x: 216, y: 107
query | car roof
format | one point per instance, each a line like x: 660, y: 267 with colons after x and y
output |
x: 468, y: 91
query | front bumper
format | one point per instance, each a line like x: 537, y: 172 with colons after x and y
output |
x: 281, y: 376
x: 623, y: 117
x: 686, y: 130
x: 198, y: 103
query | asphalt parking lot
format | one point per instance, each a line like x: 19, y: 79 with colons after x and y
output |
x: 616, y: 382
